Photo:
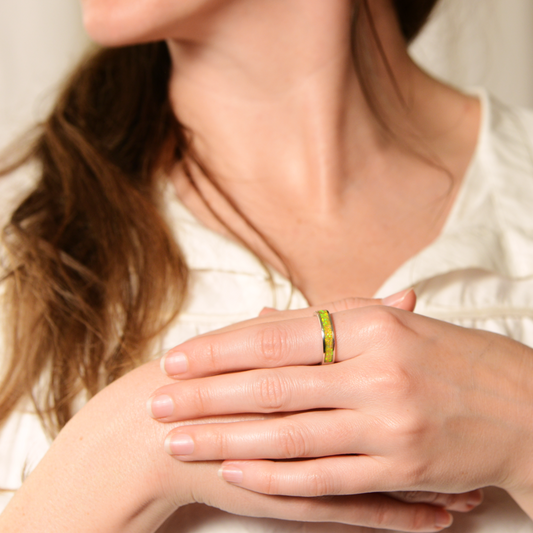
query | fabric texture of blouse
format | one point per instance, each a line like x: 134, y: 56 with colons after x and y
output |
x: 478, y: 273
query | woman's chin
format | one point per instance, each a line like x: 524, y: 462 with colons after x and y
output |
x: 114, y: 36
x: 117, y: 26
x: 126, y: 22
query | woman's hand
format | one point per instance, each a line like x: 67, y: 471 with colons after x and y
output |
x: 107, y: 472
x: 411, y: 404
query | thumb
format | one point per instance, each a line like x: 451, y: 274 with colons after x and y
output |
x: 267, y: 311
x: 405, y: 300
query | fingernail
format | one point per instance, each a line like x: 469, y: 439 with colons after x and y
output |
x: 231, y: 474
x: 173, y: 364
x: 395, y: 299
x: 267, y: 311
x: 179, y: 445
x: 443, y: 519
x: 160, y: 406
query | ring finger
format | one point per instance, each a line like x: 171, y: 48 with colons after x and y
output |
x: 273, y: 343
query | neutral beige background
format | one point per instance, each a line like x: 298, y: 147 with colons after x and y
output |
x: 469, y: 42
x: 482, y: 42
x: 39, y: 41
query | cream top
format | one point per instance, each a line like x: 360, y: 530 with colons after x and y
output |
x: 478, y: 273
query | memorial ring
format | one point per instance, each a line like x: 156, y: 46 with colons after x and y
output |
x: 328, y: 336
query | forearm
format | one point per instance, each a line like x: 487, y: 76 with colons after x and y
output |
x: 50, y: 510
x: 98, y: 475
x: 108, y: 471
x: 519, y: 419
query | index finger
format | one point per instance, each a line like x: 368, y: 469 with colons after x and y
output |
x: 278, y: 339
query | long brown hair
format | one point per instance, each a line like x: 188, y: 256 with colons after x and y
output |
x: 93, y: 274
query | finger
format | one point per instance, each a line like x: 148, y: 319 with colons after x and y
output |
x: 228, y: 349
x: 365, y: 510
x: 267, y: 311
x: 405, y: 300
x: 299, y: 435
x: 462, y: 503
x: 295, y: 341
x: 325, y: 476
x: 288, y: 389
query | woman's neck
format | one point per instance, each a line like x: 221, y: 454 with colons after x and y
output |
x: 279, y: 118
x: 269, y: 90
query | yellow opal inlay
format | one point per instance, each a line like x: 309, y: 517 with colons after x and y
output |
x: 328, y: 336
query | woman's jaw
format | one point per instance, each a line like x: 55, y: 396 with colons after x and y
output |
x: 268, y: 87
x: 126, y: 22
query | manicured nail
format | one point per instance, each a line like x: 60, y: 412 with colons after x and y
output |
x: 395, y: 299
x: 160, y: 406
x: 179, y: 445
x: 443, y: 519
x: 173, y: 364
x: 267, y: 311
x: 231, y: 474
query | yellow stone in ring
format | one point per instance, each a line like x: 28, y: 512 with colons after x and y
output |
x: 328, y: 336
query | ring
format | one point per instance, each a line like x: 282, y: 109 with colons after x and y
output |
x: 328, y: 336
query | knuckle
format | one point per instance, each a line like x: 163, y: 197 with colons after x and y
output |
x: 415, y: 496
x: 270, y: 484
x: 386, y: 515
x: 218, y: 441
x: 270, y: 392
x: 210, y: 354
x: 394, y: 382
x: 384, y: 321
x: 346, y: 304
x: 383, y: 514
x: 418, y: 518
x: 271, y: 344
x: 411, y: 431
x: 434, y: 498
x: 292, y: 441
x: 321, y: 483
x: 198, y: 399
x: 415, y: 473
x: 447, y: 500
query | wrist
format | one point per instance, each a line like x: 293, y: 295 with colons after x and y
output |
x: 511, y: 416
x: 106, y: 471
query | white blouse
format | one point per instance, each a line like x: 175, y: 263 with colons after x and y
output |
x: 478, y: 273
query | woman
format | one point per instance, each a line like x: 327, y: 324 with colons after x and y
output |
x: 331, y: 175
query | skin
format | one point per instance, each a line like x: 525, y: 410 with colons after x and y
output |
x: 148, y: 488
x: 312, y: 114
x: 286, y: 66
x: 396, y: 419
